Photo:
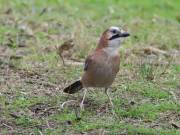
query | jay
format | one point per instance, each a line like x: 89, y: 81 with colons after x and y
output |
x: 102, y: 65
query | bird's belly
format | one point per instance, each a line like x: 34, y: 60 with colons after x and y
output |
x: 101, y: 77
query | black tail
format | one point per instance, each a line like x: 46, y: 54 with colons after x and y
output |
x: 74, y: 87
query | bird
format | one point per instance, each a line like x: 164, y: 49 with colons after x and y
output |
x: 102, y: 65
x: 66, y: 46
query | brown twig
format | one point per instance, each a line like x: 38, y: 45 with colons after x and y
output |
x: 175, y: 125
x: 7, y: 126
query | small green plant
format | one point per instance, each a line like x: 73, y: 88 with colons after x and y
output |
x: 147, y: 71
x: 26, y: 121
x: 31, y: 86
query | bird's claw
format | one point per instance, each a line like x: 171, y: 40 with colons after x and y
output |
x: 66, y: 102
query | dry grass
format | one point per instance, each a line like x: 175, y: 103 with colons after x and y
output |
x: 146, y: 91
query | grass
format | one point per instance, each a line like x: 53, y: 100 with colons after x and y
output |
x: 145, y: 93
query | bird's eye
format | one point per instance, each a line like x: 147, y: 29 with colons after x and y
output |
x: 114, y: 31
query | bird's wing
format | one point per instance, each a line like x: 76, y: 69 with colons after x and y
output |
x: 94, y: 60
x: 88, y: 61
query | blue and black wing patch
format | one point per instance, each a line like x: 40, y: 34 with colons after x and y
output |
x: 87, y: 63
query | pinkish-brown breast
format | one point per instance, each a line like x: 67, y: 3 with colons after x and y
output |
x: 101, y: 69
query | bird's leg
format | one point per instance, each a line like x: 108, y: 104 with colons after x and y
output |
x: 107, y: 93
x: 110, y: 101
x: 82, y: 102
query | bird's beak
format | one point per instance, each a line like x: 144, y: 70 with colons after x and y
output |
x: 120, y: 34
x: 124, y: 34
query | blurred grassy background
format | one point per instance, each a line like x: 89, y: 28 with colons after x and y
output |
x: 146, y: 92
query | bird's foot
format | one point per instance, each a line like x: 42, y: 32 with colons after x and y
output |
x: 81, y: 105
x: 67, y: 102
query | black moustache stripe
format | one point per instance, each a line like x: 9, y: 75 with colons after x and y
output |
x: 114, y: 37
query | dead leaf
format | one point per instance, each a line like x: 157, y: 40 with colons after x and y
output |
x: 8, y: 11
x: 153, y: 50
x: 16, y: 57
x: 26, y: 29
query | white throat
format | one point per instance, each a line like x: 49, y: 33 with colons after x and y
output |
x: 113, y: 47
x: 111, y: 51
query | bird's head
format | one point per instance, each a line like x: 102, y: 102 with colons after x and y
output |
x: 112, y: 38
